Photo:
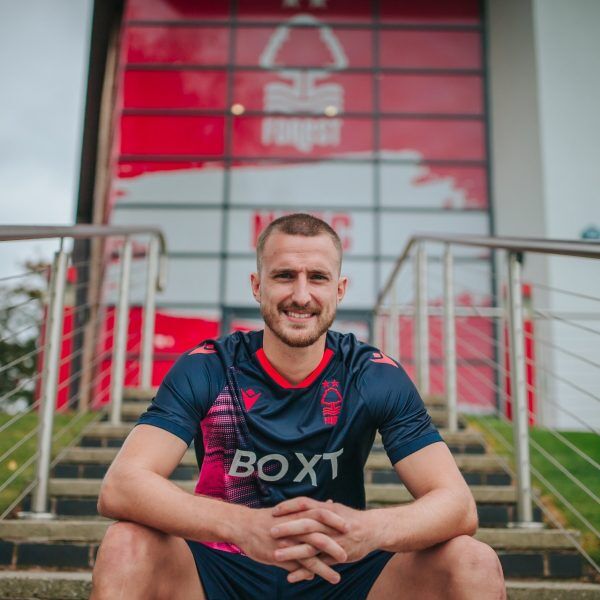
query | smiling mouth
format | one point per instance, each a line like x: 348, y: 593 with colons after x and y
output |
x: 298, y: 315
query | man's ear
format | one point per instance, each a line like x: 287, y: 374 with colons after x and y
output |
x: 255, y: 283
x: 342, y: 287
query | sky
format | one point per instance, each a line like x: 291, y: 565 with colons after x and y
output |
x: 44, y: 47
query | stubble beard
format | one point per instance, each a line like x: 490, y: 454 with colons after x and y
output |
x: 273, y: 318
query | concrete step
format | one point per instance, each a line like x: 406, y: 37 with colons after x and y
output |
x: 92, y: 531
x: 377, y: 461
x: 45, y: 585
x: 145, y: 395
x: 68, y: 544
x: 382, y: 494
x: 376, y: 493
x: 77, y: 585
x: 77, y: 497
x: 105, y: 435
x: 131, y: 411
x: 552, y: 590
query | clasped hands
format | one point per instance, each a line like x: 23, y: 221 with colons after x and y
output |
x: 305, y: 537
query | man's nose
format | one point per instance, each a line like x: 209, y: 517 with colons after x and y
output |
x: 301, y: 292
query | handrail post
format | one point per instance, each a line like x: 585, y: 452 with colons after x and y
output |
x: 376, y: 337
x: 56, y: 297
x: 393, y: 336
x: 117, y: 379
x: 421, y: 321
x: 149, y: 316
x: 519, y: 390
x: 450, y: 340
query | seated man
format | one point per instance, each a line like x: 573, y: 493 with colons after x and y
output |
x: 283, y: 421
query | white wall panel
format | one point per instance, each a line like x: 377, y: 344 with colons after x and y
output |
x: 193, y: 186
x: 398, y: 227
x: 186, y: 230
x: 310, y: 184
x: 354, y: 228
x: 189, y: 281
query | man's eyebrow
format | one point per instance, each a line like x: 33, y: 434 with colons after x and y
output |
x: 279, y: 270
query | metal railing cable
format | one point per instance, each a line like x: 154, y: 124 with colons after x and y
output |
x: 120, y: 272
x: 20, y: 359
x: 489, y: 363
x: 538, y: 501
x: 537, y: 474
x: 22, y: 275
x: 552, y: 288
x: 60, y: 455
x: 16, y: 334
x: 65, y: 360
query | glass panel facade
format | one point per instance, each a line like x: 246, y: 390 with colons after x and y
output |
x: 369, y: 114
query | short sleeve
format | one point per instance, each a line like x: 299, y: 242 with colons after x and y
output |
x: 400, y: 413
x: 183, y: 398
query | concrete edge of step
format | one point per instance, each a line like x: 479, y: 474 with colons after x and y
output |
x: 45, y: 585
x: 92, y: 530
x: 75, y: 585
x: 384, y: 493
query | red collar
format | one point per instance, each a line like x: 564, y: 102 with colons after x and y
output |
x: 282, y: 381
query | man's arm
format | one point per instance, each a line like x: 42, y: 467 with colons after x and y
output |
x: 136, y: 489
x: 443, y: 508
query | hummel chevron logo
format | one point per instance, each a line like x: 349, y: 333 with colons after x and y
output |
x: 204, y: 348
x: 250, y: 397
x: 381, y: 358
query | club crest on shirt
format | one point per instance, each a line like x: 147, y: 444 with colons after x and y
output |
x: 204, y: 348
x: 331, y: 402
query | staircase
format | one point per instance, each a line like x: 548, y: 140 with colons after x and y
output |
x: 53, y: 559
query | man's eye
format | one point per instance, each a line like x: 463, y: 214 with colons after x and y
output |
x: 319, y: 277
x: 283, y: 276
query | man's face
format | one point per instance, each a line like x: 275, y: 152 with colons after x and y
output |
x: 298, y: 287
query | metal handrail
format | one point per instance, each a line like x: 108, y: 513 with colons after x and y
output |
x: 575, y: 248
x: 11, y: 233
x: 156, y: 274
x: 515, y: 248
x: 30, y: 232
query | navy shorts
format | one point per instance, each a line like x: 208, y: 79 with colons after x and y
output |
x: 230, y: 576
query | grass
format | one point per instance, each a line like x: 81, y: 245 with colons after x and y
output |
x: 67, y: 426
x: 577, y: 466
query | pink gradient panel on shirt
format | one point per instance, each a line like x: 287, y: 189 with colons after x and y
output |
x: 223, y: 431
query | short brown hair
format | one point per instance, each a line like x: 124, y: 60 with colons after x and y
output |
x: 297, y: 224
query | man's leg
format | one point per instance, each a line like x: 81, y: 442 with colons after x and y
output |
x: 461, y: 568
x: 138, y: 562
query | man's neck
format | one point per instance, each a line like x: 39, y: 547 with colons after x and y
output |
x: 294, y: 364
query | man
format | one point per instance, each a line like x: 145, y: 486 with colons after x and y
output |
x: 283, y: 421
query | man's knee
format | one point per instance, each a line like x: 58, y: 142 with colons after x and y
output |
x: 470, y: 562
x: 126, y: 544
x: 127, y: 552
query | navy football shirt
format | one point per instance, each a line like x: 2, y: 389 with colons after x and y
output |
x: 260, y: 439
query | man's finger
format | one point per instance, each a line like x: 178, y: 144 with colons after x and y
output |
x: 298, y: 527
x: 295, y: 505
x: 296, y: 551
x: 300, y: 575
x: 328, y: 517
x: 320, y: 568
x: 311, y: 545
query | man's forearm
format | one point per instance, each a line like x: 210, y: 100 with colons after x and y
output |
x: 141, y: 496
x: 436, y: 517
